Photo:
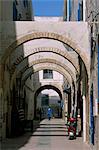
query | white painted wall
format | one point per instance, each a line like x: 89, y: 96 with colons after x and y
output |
x: 57, y: 78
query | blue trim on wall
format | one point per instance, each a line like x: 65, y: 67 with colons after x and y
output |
x: 91, y: 117
x: 69, y: 9
x: 79, y: 12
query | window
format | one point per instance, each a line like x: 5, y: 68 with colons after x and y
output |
x: 80, y: 12
x: 25, y: 3
x: 47, y: 74
x: 45, y: 100
x: 15, y: 13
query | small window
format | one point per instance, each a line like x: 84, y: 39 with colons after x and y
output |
x: 80, y: 12
x: 47, y: 74
x: 25, y: 3
x: 16, y: 2
x: 15, y: 12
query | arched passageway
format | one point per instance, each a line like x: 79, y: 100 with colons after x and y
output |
x: 64, y: 40
x: 48, y: 65
x: 49, y: 35
x: 46, y: 101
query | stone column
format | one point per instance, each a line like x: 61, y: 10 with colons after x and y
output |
x: 1, y: 75
x: 84, y: 119
x: 72, y: 102
x: 75, y: 95
x: 65, y: 107
x: 87, y: 111
x: 1, y: 97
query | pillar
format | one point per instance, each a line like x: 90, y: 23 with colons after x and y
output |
x: 84, y: 119
x: 1, y: 99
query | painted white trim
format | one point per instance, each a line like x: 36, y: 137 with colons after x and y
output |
x: 84, y: 119
x: 95, y: 107
x: 84, y: 10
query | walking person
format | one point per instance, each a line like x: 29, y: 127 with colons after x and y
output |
x: 49, y: 113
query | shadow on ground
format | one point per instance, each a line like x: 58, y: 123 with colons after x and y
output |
x: 39, y: 129
x: 16, y: 143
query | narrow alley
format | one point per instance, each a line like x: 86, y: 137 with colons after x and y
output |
x: 49, y: 67
x: 50, y: 135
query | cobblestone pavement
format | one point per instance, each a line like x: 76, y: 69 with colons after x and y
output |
x: 51, y: 135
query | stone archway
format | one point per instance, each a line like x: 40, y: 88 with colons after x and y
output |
x: 38, y: 35
x: 65, y: 54
x: 38, y: 51
x: 20, y: 71
x: 41, y: 61
x: 62, y: 36
x: 52, y: 66
x: 39, y: 89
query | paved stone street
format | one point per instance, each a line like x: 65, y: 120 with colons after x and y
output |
x: 51, y: 135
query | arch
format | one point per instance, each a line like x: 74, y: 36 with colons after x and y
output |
x: 49, y: 61
x: 44, y: 55
x: 38, y: 90
x: 73, y: 75
x: 49, y: 35
x: 58, y: 51
x: 41, y: 66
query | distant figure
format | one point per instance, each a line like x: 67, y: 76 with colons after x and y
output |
x: 49, y: 113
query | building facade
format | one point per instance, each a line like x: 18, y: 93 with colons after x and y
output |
x: 18, y: 10
x: 75, y: 10
x: 92, y: 16
x: 88, y: 10
x: 28, y: 47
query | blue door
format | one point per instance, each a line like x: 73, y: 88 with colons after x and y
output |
x: 91, y: 117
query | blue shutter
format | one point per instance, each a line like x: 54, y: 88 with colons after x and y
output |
x: 91, y: 117
x: 69, y: 9
x: 79, y: 12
